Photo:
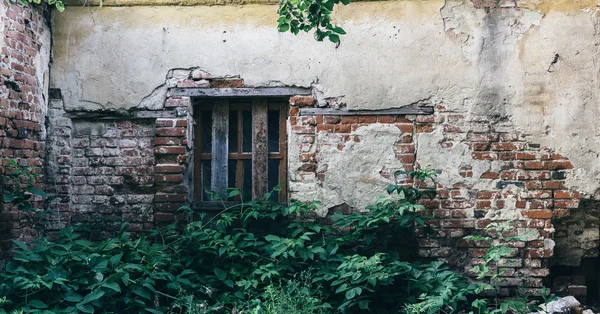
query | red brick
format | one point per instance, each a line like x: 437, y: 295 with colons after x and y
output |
x: 553, y: 185
x: 226, y: 83
x: 424, y: 128
x: 302, y: 101
x: 406, y: 158
x: 294, y: 111
x: 486, y: 137
x: 457, y: 204
x: 537, y: 194
x: 168, y: 168
x: 541, y: 204
x: 386, y: 119
x: 507, y: 146
x: 325, y: 127
x: 167, y: 141
x: 538, y: 253
x: 484, y: 156
x: 481, y: 146
x: 367, y: 119
x: 559, y: 203
x: 533, y: 175
x: 405, y: 127
x: 562, y: 194
x: 449, y: 128
x: 535, y: 165
x: 490, y: 175
x: 308, y: 167
x: 169, y: 150
x: 169, y: 178
x: 349, y: 120
x: 303, y: 129
x: 343, y: 128
x: 525, y: 156
x: 405, y: 148
x: 331, y: 119
x: 484, y: 204
x: 555, y: 156
x: 507, y: 156
x: 537, y: 214
x: 557, y: 165
x: 170, y: 131
x: 487, y: 194
x: 426, y: 118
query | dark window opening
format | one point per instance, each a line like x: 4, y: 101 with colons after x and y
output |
x: 252, y: 135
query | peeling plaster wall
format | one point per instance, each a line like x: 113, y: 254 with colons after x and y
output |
x: 471, y: 59
x: 354, y: 167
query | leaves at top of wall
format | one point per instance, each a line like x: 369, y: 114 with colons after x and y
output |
x: 308, y: 15
x: 60, y: 6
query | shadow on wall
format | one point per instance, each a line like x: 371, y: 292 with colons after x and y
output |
x: 574, y: 268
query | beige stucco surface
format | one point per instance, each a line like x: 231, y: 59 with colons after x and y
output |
x: 396, y: 53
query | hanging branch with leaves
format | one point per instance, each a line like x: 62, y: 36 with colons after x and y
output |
x: 307, y: 15
x: 60, y: 6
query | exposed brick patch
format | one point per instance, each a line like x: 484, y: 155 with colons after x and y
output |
x: 22, y: 103
x: 528, y: 179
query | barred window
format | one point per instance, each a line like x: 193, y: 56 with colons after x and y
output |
x: 240, y: 143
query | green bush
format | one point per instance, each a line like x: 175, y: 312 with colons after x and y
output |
x: 255, y: 257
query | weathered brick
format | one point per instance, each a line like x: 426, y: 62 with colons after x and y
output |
x: 170, y: 131
x: 302, y: 101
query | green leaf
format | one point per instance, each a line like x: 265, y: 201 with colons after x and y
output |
x: 37, y: 192
x: 72, y: 296
x: 143, y: 293
x: 94, y: 295
x: 112, y: 285
x: 85, y: 308
x: 9, y: 197
x: 341, y: 288
x: 284, y: 27
x: 339, y: 30
x: 220, y: 273
x: 114, y: 260
x: 60, y: 6
x: 272, y: 238
x: 334, y: 38
x: 37, y: 304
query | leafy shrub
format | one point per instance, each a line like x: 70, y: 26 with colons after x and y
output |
x: 18, y: 187
x: 255, y: 257
x: 297, y: 296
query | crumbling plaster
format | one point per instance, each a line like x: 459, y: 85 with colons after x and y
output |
x: 397, y: 53
x: 353, y: 171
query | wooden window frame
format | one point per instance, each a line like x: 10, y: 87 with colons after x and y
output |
x: 221, y: 108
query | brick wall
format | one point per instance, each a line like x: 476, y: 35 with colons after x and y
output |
x: 523, y: 183
x: 24, y: 55
x: 112, y: 169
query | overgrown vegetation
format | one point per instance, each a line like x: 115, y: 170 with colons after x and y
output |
x: 18, y: 187
x: 256, y: 257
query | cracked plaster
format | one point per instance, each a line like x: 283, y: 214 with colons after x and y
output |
x: 472, y: 61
